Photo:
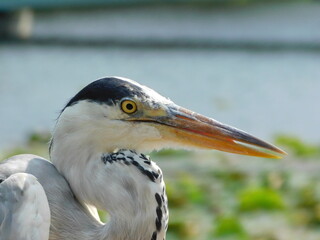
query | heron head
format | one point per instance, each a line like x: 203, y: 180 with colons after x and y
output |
x: 115, y: 112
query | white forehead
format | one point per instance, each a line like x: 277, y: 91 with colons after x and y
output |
x: 150, y: 92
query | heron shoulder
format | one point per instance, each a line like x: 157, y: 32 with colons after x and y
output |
x: 24, y: 208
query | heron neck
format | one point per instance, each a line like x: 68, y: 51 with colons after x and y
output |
x: 125, y: 184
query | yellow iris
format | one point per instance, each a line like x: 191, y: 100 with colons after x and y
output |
x: 128, y: 106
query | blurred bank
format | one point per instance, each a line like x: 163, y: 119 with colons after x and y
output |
x: 254, y: 65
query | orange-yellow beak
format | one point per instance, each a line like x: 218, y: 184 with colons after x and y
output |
x: 188, y: 128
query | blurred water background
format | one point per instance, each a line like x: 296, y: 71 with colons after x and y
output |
x: 255, y: 66
x: 252, y: 64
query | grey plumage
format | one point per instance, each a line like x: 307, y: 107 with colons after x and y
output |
x: 72, y: 220
x: 24, y: 210
x: 68, y: 215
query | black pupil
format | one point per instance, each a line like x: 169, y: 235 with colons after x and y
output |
x: 129, y: 106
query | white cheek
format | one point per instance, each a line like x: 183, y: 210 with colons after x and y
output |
x: 145, y: 132
x: 97, y: 126
x: 125, y: 135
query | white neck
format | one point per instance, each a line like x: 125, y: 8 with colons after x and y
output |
x: 124, y: 183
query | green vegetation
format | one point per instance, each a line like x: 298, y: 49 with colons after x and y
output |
x: 36, y: 143
x: 186, y: 189
x: 298, y: 147
x: 227, y: 197
x: 171, y: 153
x: 229, y: 226
x: 252, y: 199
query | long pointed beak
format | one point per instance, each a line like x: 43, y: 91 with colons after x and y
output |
x: 191, y: 129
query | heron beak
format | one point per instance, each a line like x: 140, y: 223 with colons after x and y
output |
x: 191, y: 129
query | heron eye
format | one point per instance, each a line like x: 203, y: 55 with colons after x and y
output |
x: 129, y: 106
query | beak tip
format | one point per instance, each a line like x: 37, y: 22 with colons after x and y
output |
x: 279, y: 151
x: 278, y: 154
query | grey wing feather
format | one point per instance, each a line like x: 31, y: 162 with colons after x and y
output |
x: 24, y: 209
x: 69, y: 219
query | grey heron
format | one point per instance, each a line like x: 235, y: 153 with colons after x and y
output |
x: 96, y: 163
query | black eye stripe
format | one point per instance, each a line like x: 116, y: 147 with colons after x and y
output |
x: 108, y: 91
